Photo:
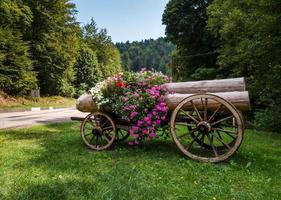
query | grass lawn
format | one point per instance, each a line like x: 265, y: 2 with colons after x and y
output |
x: 14, y: 103
x: 51, y: 162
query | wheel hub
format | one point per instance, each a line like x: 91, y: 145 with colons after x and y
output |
x: 204, y: 127
x: 97, y: 131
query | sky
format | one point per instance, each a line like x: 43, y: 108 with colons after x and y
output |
x: 125, y: 20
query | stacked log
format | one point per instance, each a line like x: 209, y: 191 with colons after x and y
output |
x: 210, y: 86
x: 232, y: 90
x: 239, y: 99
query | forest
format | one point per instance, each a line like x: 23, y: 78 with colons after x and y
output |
x: 43, y: 46
x: 149, y: 53
x: 226, y: 38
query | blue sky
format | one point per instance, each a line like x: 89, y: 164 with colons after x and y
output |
x: 124, y: 19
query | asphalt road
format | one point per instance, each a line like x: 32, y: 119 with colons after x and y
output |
x: 30, y: 118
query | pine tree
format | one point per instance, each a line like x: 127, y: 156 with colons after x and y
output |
x: 87, y: 70
x: 54, y: 38
x: 16, y: 73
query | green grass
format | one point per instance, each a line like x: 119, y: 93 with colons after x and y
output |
x: 14, y: 103
x: 51, y: 162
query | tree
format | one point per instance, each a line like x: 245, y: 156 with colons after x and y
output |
x: 107, y: 54
x: 87, y: 70
x: 16, y: 72
x: 54, y: 39
x: 186, y: 22
x: 250, y: 32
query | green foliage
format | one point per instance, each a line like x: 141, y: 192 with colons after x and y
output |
x: 14, y: 14
x: 250, y: 35
x: 16, y: 72
x: 185, y: 22
x: 54, y: 44
x: 87, y: 70
x: 40, y: 41
x: 107, y: 54
x: 152, y: 54
x: 16, y: 75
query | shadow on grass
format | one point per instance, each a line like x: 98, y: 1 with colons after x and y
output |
x: 64, y: 149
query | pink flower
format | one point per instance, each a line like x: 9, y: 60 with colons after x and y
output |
x: 136, y: 95
x: 143, y: 70
x: 148, y: 122
x: 157, y: 122
x: 125, y: 99
x: 146, y: 119
x: 139, y: 122
x: 130, y: 143
x: 135, y: 128
x: 144, y: 131
x: 133, y: 114
x: 152, y: 135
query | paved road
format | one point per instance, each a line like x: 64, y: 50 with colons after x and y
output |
x: 29, y: 118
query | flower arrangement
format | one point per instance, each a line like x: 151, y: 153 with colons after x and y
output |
x: 137, y: 98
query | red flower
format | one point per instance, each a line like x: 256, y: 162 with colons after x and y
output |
x: 120, y: 84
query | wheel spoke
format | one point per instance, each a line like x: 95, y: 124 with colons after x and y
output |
x: 187, y: 114
x: 185, y: 124
x: 87, y: 134
x: 222, y: 120
x: 219, y: 134
x: 121, y: 133
x: 227, y: 132
x: 224, y: 144
x: 190, y: 132
x: 97, y: 138
x: 196, y: 110
x: 212, y: 145
x: 105, y: 123
x: 107, y: 137
x: 91, y: 122
x: 205, y: 109
x: 202, y: 139
x: 107, y: 128
x: 216, y: 111
x: 191, y: 143
x: 91, y: 140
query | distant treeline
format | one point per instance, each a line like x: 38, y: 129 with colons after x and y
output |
x: 147, y: 53
x: 42, y: 45
x: 227, y: 38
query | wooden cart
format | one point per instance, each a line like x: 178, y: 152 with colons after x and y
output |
x: 205, y: 127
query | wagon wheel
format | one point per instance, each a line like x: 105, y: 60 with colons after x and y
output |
x: 98, y: 131
x: 205, y: 144
x: 122, y: 133
x: 207, y: 128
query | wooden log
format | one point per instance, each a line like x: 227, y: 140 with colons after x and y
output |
x: 194, y: 87
x: 239, y: 99
x: 85, y: 103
